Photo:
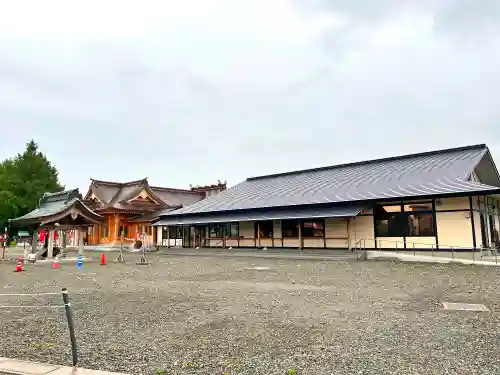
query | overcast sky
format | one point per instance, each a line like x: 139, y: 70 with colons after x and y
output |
x: 193, y: 91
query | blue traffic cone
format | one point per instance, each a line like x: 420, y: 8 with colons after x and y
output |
x: 79, y: 261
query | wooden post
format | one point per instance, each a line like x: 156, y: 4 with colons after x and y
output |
x: 300, y: 236
x: 348, y: 234
x: 117, y: 226
x: 272, y: 238
x: 258, y: 233
x: 224, y: 238
x: 168, y: 237
x: 80, y: 241
x: 195, y: 233
x: 34, y: 242
x: 354, y: 230
x: 50, y: 245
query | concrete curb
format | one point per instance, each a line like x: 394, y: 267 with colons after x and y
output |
x: 18, y: 367
x: 264, y: 255
x: 386, y: 255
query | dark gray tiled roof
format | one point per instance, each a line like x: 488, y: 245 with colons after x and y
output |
x: 177, y: 197
x: 54, y: 203
x: 425, y: 174
x: 147, y: 217
x: 271, y: 214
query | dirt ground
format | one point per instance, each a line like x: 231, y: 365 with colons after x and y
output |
x: 220, y: 315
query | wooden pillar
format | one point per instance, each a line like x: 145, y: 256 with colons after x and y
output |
x: 300, y: 236
x: 272, y: 238
x: 80, y: 241
x: 354, y: 230
x: 349, y: 234
x: 64, y: 239
x: 34, y: 242
x: 117, y: 226
x: 50, y: 245
x: 224, y: 236
x: 168, y: 237
x: 434, y: 224
x: 258, y: 233
x: 471, y: 213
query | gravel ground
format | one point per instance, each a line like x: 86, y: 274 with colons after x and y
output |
x: 213, y: 315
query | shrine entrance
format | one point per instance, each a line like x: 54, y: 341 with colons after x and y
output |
x: 58, y: 212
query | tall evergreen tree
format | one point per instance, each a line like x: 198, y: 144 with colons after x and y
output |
x: 23, y: 181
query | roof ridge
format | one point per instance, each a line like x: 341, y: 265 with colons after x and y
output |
x: 370, y: 161
x: 174, y: 189
x: 115, y: 183
x: 47, y: 194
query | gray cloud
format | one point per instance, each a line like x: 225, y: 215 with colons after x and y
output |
x: 235, y: 92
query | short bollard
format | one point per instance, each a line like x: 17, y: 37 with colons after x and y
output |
x: 69, y: 317
x: 79, y: 262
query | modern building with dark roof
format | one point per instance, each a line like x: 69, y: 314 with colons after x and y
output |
x: 130, y: 207
x: 441, y: 199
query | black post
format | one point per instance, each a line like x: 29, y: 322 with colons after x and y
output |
x: 434, y: 223
x: 69, y: 317
x: 471, y: 212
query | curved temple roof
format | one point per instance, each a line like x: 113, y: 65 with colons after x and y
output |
x: 56, y: 206
x: 117, y: 195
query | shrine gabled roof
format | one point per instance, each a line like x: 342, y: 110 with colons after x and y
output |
x: 117, y: 195
x: 56, y: 205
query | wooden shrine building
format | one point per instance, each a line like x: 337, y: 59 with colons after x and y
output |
x: 61, y: 212
x: 130, y: 207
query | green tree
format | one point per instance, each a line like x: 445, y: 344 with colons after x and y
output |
x: 23, y: 180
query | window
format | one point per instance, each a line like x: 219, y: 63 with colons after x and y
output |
x: 216, y: 230
x: 314, y: 228
x: 233, y: 229
x: 493, y: 230
x: 173, y: 233
x: 290, y: 228
x: 164, y: 234
x: 421, y: 225
x: 266, y: 229
x: 418, y: 206
x: 416, y: 220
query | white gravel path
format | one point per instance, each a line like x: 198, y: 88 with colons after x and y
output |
x: 190, y: 315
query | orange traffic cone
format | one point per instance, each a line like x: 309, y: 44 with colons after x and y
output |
x: 19, y: 265
x: 103, y: 259
x: 56, y: 264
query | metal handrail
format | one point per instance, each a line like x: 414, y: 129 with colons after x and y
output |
x: 417, y: 243
x: 452, y: 249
